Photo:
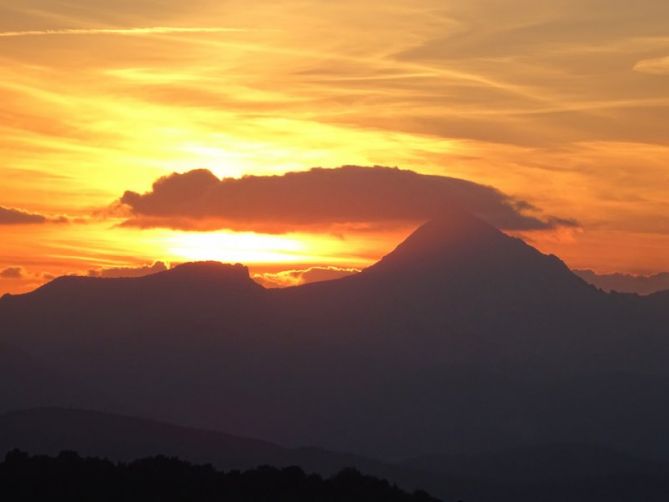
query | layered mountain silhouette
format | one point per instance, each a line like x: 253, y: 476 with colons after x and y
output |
x: 49, y: 431
x: 462, y: 340
x: 572, y: 472
x: 626, y: 283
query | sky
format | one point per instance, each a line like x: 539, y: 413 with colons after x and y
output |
x: 127, y: 127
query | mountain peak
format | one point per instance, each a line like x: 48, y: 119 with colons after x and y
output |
x: 469, y: 254
x: 452, y: 235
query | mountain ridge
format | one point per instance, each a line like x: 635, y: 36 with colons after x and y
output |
x: 450, y: 343
x: 582, y: 471
x: 453, y: 236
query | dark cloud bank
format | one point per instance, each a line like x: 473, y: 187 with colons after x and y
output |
x: 10, y: 216
x: 16, y: 217
x: 198, y: 200
x: 12, y: 273
x: 124, y: 272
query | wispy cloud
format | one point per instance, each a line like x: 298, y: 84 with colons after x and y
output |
x: 287, y: 278
x: 653, y: 66
x: 153, y: 30
x: 557, y: 106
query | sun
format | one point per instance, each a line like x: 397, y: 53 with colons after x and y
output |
x: 252, y: 248
x: 246, y: 247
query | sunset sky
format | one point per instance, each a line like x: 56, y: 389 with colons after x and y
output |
x: 556, y: 114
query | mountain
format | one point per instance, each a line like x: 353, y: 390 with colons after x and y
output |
x: 49, y: 431
x: 555, y: 473
x: 574, y: 472
x: 625, y: 283
x: 462, y: 340
x: 550, y: 464
x: 26, y: 381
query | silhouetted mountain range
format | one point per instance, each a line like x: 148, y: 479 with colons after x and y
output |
x: 626, y: 283
x: 463, y: 340
x: 551, y: 472
x: 48, y: 431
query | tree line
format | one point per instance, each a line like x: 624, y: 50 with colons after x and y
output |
x: 70, y: 477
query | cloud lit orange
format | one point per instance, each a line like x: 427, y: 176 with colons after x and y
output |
x: 563, y: 107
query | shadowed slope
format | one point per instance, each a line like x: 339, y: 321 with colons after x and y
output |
x: 48, y: 431
x: 578, y: 472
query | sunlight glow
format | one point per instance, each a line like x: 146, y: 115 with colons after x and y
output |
x: 252, y: 248
x: 95, y: 104
x: 233, y: 247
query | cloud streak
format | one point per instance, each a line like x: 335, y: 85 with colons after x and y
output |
x: 653, y: 66
x: 349, y: 196
x: 287, y: 278
x: 127, y: 272
x: 154, y: 30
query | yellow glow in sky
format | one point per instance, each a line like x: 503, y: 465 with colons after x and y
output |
x: 563, y: 104
x: 251, y: 248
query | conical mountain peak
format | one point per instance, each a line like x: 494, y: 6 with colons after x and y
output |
x: 459, y: 250
x: 451, y: 236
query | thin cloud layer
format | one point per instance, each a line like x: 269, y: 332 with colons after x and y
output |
x: 125, y: 272
x: 154, y: 30
x: 287, y: 278
x: 653, y: 66
x: 563, y: 106
x: 349, y: 195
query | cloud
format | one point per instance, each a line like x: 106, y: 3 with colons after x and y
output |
x: 288, y: 278
x: 10, y: 216
x: 109, y: 273
x: 17, y: 217
x: 653, y: 66
x: 155, y: 30
x: 360, y: 197
x: 12, y: 273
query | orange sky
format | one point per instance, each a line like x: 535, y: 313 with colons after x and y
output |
x: 563, y: 104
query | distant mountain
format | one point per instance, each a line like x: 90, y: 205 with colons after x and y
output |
x: 48, y: 431
x: 463, y: 340
x: 551, y: 472
x: 26, y: 381
x: 555, y: 473
x: 625, y: 283
x: 556, y: 463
